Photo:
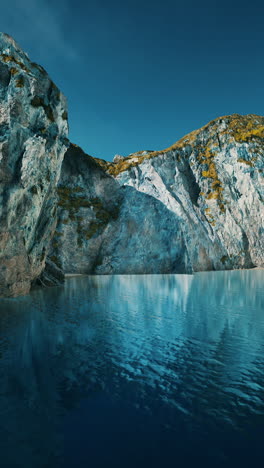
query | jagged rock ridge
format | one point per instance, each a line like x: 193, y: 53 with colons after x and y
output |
x: 196, y: 206
x: 33, y: 140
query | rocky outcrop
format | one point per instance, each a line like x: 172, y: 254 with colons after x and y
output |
x: 197, y: 205
x: 33, y: 140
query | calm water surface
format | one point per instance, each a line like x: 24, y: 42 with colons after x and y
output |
x: 134, y: 371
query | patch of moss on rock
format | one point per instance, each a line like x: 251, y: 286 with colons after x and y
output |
x: 20, y: 82
x: 38, y: 101
x: 72, y: 200
x: 9, y: 58
x: 241, y: 128
x: 245, y: 129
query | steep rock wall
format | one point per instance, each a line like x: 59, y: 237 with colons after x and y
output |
x: 197, y: 205
x: 33, y: 140
x: 105, y: 228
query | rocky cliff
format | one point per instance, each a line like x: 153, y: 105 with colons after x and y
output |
x: 197, y: 205
x: 33, y: 140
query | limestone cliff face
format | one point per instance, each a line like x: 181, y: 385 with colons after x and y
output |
x: 33, y: 131
x: 197, y: 205
x: 107, y: 228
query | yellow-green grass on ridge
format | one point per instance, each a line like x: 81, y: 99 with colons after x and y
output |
x: 241, y: 128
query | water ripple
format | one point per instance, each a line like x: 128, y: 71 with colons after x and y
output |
x: 173, y: 361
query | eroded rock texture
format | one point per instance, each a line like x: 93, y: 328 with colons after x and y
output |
x: 197, y: 205
x: 33, y: 140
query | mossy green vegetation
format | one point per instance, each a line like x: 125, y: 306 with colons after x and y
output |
x: 92, y: 229
x: 103, y: 215
x: 14, y: 71
x: 205, y: 157
x: 209, y: 216
x: 20, y: 82
x: 245, y: 128
x: 72, y: 199
x: 11, y: 59
x: 69, y: 201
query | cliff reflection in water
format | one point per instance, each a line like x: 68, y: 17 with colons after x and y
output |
x: 181, y: 355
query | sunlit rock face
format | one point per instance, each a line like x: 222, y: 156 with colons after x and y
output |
x: 213, y: 179
x: 33, y: 140
x: 197, y: 205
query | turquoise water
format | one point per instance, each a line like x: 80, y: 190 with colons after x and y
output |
x: 134, y: 371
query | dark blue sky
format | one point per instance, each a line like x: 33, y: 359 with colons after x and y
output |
x: 141, y: 74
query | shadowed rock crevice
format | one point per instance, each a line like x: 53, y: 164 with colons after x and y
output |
x: 189, y: 181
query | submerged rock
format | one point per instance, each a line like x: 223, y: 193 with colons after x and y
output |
x: 33, y: 140
x: 197, y: 205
